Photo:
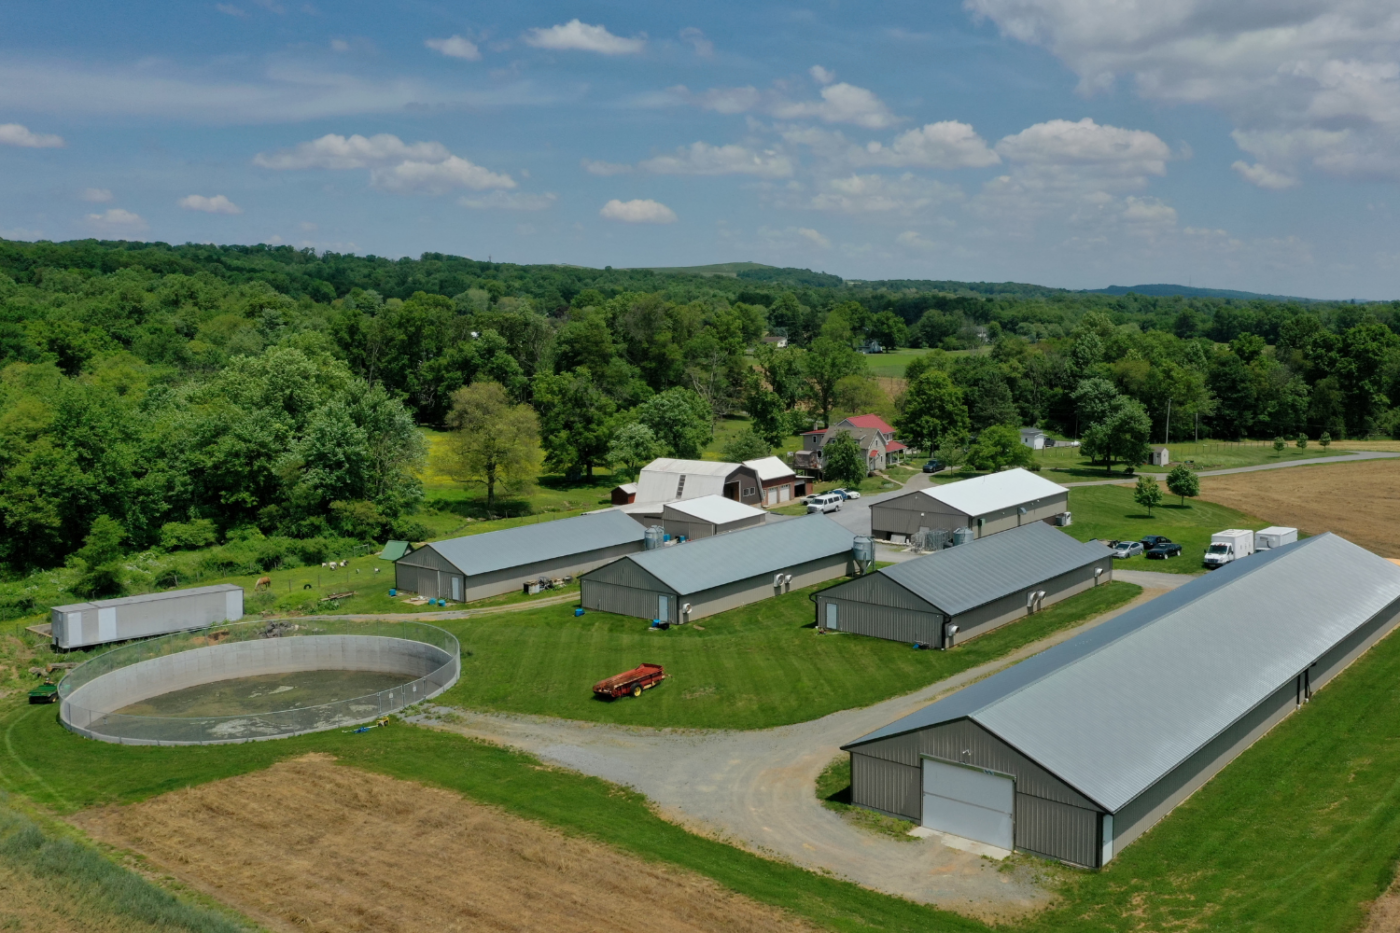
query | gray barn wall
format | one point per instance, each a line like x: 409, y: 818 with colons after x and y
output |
x: 886, y: 786
x: 677, y: 524
x: 434, y: 580
x: 876, y: 606
x: 144, y: 616
x: 1009, y: 608
x: 1004, y: 519
x: 907, y: 514
x: 742, y: 592
x: 624, y: 588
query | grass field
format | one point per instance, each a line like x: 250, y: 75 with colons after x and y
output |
x: 1067, y: 465
x: 754, y: 667
x: 1109, y: 512
x: 834, y: 791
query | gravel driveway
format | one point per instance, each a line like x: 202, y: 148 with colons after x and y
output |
x: 756, y: 789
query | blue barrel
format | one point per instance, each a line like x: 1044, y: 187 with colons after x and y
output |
x: 577, y: 613
x: 393, y: 592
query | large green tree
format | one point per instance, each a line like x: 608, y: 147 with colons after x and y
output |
x: 932, y: 412
x: 494, y: 442
x: 576, y: 421
x: 1121, y: 435
x: 999, y: 447
x: 843, y: 460
x: 681, y: 421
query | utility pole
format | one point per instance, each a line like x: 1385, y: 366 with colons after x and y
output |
x: 1167, y: 438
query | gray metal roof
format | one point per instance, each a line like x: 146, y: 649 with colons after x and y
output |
x: 709, y: 562
x: 970, y: 575
x: 530, y: 544
x: 1113, y: 710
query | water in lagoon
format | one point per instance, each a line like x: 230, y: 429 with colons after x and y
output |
x: 266, y: 693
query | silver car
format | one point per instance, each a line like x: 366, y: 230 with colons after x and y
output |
x: 1128, y: 549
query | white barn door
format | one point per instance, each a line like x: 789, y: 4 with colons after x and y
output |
x: 970, y: 802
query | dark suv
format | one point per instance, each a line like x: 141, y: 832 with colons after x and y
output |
x: 932, y: 466
x: 1151, y: 541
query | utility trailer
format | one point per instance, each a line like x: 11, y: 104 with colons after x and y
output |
x: 631, y: 682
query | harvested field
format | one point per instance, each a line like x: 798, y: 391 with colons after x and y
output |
x: 308, y: 845
x: 1359, y: 501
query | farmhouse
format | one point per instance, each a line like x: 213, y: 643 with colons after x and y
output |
x: 949, y: 596
x: 777, y: 482
x: 874, y: 435
x: 984, y: 505
x: 80, y: 625
x: 1077, y: 751
x: 708, y: 516
x: 498, y: 562
x: 693, y: 580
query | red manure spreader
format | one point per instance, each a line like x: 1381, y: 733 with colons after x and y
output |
x: 631, y: 682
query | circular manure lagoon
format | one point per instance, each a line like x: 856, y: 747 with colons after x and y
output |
x: 247, y: 681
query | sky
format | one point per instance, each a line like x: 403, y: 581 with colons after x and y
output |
x: 1246, y: 144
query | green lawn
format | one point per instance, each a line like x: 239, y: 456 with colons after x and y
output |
x: 754, y: 667
x: 726, y: 429
x: 1066, y: 465
x: 1109, y: 512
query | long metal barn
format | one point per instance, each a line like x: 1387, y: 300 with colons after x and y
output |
x: 1076, y: 752
x: 984, y: 505
x: 693, y: 580
x: 949, y: 596
x: 496, y: 562
x: 81, y: 625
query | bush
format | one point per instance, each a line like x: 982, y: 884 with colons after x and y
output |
x: 179, y: 536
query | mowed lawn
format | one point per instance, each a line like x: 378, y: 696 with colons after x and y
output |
x: 754, y: 667
x: 1109, y: 512
x: 1068, y: 465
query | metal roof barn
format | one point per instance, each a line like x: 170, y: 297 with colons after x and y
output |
x: 708, y: 516
x: 81, y: 625
x: 692, y: 580
x: 944, y: 598
x: 1104, y: 734
x: 477, y: 566
x: 985, y: 504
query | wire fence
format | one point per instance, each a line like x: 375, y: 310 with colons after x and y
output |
x: 428, y: 658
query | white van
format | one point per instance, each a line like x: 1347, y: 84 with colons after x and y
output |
x: 827, y: 502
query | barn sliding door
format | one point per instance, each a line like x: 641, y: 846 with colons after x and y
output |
x: 970, y: 802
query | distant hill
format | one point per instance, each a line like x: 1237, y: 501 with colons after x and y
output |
x: 727, y: 269
x: 1186, y: 291
x: 755, y: 272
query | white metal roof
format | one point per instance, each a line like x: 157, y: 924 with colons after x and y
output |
x: 1113, y: 710
x: 715, y: 509
x: 530, y: 544
x: 993, y: 492
x: 148, y: 597
x: 629, y: 488
x: 660, y: 480
x: 769, y: 468
x: 1276, y: 530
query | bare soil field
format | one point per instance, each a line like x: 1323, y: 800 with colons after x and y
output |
x: 307, y: 845
x: 1359, y: 501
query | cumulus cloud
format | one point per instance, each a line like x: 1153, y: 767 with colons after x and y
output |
x: 117, y: 222
x: 96, y: 195
x: 1307, y: 83
x: 696, y: 40
x: 914, y: 240
x: 218, y: 204
x: 576, y: 35
x: 821, y: 75
x: 947, y: 144
x: 1108, y: 148
x: 455, y: 47
x: 880, y: 194
x: 605, y: 169
x: 422, y: 167
x: 638, y: 211
x: 703, y: 159
x: 814, y: 237
x: 509, y: 201
x: 13, y: 134
x: 1262, y: 176
x: 839, y: 103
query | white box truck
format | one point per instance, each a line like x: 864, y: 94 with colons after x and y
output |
x: 1230, y: 544
x: 1274, y: 536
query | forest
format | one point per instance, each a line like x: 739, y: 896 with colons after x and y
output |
x: 173, y: 397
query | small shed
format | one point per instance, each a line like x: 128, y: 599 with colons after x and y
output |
x: 1034, y: 438
x: 82, y: 625
x: 624, y: 494
x: 949, y: 596
x: 1077, y: 751
x: 708, y: 516
x: 689, y: 581
x: 496, y: 562
x: 1274, y: 536
x: 986, y: 505
x: 393, y: 550
x: 1159, y: 456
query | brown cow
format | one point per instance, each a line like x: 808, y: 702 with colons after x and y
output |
x: 263, y: 583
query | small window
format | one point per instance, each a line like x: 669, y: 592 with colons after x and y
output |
x: 750, y: 491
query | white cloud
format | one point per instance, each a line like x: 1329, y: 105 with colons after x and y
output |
x: 117, y: 222
x: 13, y: 134
x: 947, y: 144
x: 1306, y: 82
x: 912, y: 239
x: 455, y: 47
x: 812, y: 236
x: 1263, y: 177
x: 839, y: 103
x: 1109, y: 148
x: 703, y: 159
x: 96, y: 195
x: 605, y: 169
x: 510, y: 201
x: 421, y: 168
x: 821, y: 75
x: 881, y: 194
x: 576, y: 35
x: 340, y: 45
x: 638, y: 212
x: 218, y: 204
x: 696, y: 39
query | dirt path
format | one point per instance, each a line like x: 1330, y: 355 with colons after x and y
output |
x: 757, y: 789
x: 307, y: 845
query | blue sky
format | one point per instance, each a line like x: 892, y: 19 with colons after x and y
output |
x: 1253, y: 144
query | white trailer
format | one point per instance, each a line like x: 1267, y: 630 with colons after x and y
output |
x: 1230, y: 544
x: 81, y: 625
x: 1274, y: 536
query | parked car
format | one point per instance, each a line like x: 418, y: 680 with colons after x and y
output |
x: 1128, y: 549
x: 1151, y: 541
x: 846, y: 493
x: 826, y: 502
x: 932, y: 466
x: 1163, y: 550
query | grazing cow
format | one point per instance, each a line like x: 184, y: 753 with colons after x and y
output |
x: 263, y: 583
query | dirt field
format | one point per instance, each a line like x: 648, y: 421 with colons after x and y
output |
x: 1359, y: 501
x: 310, y: 846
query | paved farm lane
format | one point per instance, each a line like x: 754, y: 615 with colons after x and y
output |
x: 757, y: 789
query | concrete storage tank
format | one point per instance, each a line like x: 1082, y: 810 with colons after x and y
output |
x: 962, y: 536
x: 82, y: 625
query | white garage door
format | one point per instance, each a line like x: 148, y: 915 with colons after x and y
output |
x: 970, y: 803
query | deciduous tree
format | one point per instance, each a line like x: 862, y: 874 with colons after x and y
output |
x: 1147, y: 494
x: 1183, y: 482
x: 843, y: 460
x: 494, y: 442
x: 999, y: 447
